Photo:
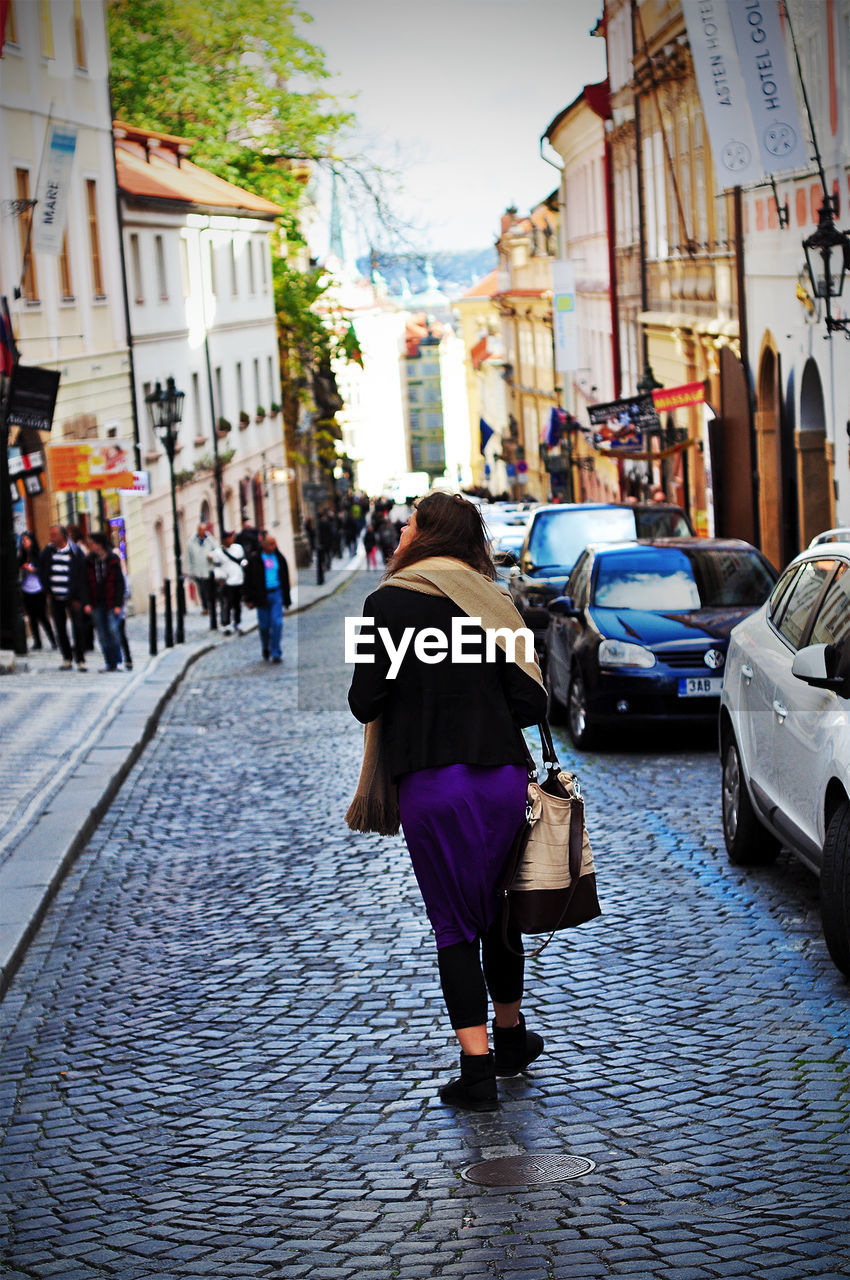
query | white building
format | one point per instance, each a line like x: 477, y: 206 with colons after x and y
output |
x: 201, y: 303
x: 801, y: 382
x: 70, y: 313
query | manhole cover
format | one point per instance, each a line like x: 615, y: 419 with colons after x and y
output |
x: 528, y: 1170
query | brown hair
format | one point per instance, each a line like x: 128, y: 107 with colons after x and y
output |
x: 446, y: 525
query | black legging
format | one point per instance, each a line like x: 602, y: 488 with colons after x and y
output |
x: 466, y: 976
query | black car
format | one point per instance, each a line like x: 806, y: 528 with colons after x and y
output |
x: 556, y: 537
x: 641, y: 633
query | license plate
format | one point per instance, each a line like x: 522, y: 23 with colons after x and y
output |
x: 700, y: 686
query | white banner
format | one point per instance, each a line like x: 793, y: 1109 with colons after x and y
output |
x: 764, y: 64
x: 564, y: 323
x: 52, y: 195
x: 723, y: 93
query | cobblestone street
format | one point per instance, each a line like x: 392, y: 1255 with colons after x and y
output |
x: 222, y: 1050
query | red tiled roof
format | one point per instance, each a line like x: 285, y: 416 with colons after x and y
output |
x: 484, y: 288
x: 153, y: 166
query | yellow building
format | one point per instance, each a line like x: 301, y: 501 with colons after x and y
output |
x: 481, y: 331
x: 527, y: 247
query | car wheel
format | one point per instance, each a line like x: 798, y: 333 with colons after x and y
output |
x: 835, y: 888
x: 581, y: 730
x: 748, y: 843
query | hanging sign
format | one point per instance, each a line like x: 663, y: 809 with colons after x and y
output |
x: 620, y: 424
x: 77, y: 465
x: 564, y: 316
x: 32, y: 397
x: 52, y: 196
x: 764, y: 65
x: 669, y: 398
x: 723, y: 93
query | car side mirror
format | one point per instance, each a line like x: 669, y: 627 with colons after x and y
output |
x: 564, y: 607
x: 809, y: 665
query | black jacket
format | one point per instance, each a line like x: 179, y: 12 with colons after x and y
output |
x: 255, y: 580
x: 440, y: 713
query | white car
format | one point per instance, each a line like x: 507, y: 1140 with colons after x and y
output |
x: 785, y: 732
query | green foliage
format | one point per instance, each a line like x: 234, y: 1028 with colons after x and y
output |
x: 308, y: 339
x: 222, y: 74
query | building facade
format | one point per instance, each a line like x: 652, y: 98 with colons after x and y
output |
x: 480, y: 326
x: 66, y: 304
x: 201, y: 304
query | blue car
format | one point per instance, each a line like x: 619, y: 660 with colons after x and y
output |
x: 641, y: 632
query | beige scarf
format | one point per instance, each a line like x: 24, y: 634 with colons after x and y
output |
x: 375, y: 803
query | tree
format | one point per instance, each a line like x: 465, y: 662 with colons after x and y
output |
x: 224, y: 75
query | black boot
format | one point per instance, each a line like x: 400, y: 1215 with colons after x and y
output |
x: 475, y: 1088
x: 515, y: 1047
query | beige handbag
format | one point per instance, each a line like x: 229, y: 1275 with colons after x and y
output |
x: 551, y: 881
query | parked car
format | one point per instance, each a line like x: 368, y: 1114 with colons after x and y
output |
x: 640, y: 634
x: 831, y: 535
x: 556, y: 537
x: 785, y: 732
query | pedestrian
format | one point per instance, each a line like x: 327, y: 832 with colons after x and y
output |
x: 267, y: 591
x: 228, y: 563
x: 386, y: 539
x: 370, y: 548
x: 443, y: 740
x: 32, y: 590
x: 325, y: 540
x: 198, y: 552
x: 63, y: 573
x: 351, y: 531
x: 106, y: 597
x: 249, y: 538
x: 79, y: 541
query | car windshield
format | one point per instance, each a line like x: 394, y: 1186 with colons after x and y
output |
x: 559, y: 537
x: 669, y: 579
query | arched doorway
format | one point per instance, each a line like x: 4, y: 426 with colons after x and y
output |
x: 814, y: 478
x: 769, y: 455
x: 732, y: 454
x: 206, y: 512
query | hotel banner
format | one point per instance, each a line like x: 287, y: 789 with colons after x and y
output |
x: 764, y: 63
x: 77, y: 465
x: 52, y: 195
x: 723, y: 93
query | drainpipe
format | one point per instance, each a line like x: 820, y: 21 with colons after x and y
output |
x: 744, y: 339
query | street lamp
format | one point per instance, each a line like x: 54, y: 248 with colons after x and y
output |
x: 828, y: 280
x: 166, y: 411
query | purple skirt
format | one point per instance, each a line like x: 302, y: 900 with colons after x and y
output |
x: 459, y: 822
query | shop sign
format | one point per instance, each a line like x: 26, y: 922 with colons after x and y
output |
x: 79, y: 465
x: 32, y: 397
x: 21, y: 463
x: 670, y: 398
x: 620, y: 424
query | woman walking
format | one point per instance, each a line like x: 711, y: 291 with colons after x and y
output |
x: 445, y: 756
x: 32, y: 590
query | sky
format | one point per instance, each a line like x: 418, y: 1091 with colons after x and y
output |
x: 455, y: 94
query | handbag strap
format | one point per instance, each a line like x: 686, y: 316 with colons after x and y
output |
x: 550, y: 755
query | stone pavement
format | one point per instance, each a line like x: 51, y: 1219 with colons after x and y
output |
x: 75, y: 736
x: 222, y: 1049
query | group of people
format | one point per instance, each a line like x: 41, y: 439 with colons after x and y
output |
x: 73, y: 589
x: 250, y: 569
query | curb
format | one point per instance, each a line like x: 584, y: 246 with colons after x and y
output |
x: 32, y: 875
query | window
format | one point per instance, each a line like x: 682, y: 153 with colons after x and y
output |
x: 213, y: 289
x: 234, y: 278
x: 264, y: 266
x: 832, y: 625
x: 219, y: 392
x: 196, y: 401
x: 79, y: 37
x: 160, y: 268
x: 94, y: 238
x: 240, y: 390
x: 136, y: 265
x: 778, y: 592
x: 272, y: 387
x: 30, y: 280
x: 65, y: 284
x: 11, y: 24
x: 252, y: 283
x: 184, y: 268
x: 258, y: 390
x: 801, y: 598
x: 579, y: 582
x: 45, y: 29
